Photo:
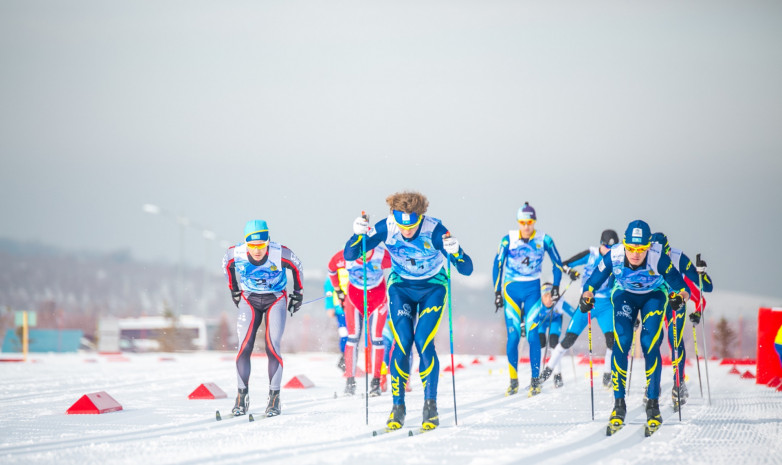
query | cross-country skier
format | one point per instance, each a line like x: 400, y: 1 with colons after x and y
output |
x: 603, y: 311
x: 378, y: 260
x: 691, y: 274
x: 640, y: 269
x: 516, y: 274
x: 550, y: 317
x: 334, y: 309
x: 256, y: 276
x: 417, y: 290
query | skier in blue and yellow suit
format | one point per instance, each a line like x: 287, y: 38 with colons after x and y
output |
x: 640, y: 270
x: 417, y: 290
x: 516, y: 274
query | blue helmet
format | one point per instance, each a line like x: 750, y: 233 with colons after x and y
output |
x: 638, y: 233
x: 661, y: 239
x: 526, y: 213
x: 256, y: 230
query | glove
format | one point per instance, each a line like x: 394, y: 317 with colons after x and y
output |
x: 636, y: 324
x: 499, y: 302
x: 676, y: 301
x: 523, y: 329
x: 237, y: 297
x: 360, y: 225
x: 700, y: 265
x: 573, y: 274
x: 294, y: 302
x: 695, y: 317
x: 340, y: 295
x: 451, y: 245
x: 555, y: 294
x: 586, y: 304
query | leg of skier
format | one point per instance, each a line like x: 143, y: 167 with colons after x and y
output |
x: 248, y: 321
x: 353, y: 326
x: 276, y: 316
x: 431, y: 309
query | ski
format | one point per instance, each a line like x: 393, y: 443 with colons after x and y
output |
x: 230, y: 416
x: 417, y: 431
x: 380, y: 431
x: 251, y: 418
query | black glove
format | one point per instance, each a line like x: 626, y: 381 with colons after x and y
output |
x: 695, y: 317
x: 523, y: 328
x: 340, y: 295
x: 586, y: 304
x: 637, y: 324
x: 499, y: 302
x: 573, y: 274
x: 237, y: 296
x: 700, y: 265
x: 555, y: 294
x: 294, y: 302
x: 676, y: 300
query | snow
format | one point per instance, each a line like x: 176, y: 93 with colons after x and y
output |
x: 160, y: 425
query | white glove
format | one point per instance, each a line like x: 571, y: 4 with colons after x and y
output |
x: 451, y: 245
x: 360, y: 226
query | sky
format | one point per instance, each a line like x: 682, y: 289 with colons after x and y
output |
x: 305, y: 113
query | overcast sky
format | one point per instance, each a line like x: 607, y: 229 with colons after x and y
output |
x: 304, y: 113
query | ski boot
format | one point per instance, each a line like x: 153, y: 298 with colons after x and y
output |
x: 374, y: 387
x: 558, y: 380
x: 350, y: 386
x: 607, y: 380
x: 341, y: 363
x: 534, y: 387
x: 242, y: 404
x: 273, y: 407
x: 546, y: 374
x: 431, y: 419
x: 397, y: 417
x: 653, y: 417
x: 513, y: 388
x: 684, y: 394
x: 617, y: 420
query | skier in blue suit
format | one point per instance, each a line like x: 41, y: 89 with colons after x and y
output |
x: 640, y: 270
x: 417, y: 288
x: 516, y: 275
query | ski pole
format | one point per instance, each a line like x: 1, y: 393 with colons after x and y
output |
x: 705, y: 336
x: 315, y: 300
x: 591, y: 375
x: 550, y: 318
x: 450, y: 330
x: 366, y: 320
x: 697, y: 359
x: 674, y: 347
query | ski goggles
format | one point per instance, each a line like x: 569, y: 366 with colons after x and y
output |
x: 636, y: 248
x: 526, y: 222
x: 257, y: 245
x: 407, y: 221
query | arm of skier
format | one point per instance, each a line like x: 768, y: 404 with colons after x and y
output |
x: 580, y: 258
x: 499, y: 264
x: 688, y: 270
x: 336, y: 262
x: 292, y: 262
x: 556, y: 261
x: 374, y: 237
x: 460, y: 260
x: 672, y: 276
x: 603, y: 271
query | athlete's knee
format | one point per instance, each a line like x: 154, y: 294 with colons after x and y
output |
x: 609, y: 340
x: 353, y: 340
x: 569, y: 340
x: 542, y: 340
x: 553, y: 340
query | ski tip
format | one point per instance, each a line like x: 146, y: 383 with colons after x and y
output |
x: 410, y: 433
x: 217, y: 415
x: 251, y: 418
x: 374, y: 433
x: 335, y: 394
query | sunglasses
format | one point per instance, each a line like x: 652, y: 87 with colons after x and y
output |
x: 636, y: 248
x: 410, y: 226
x: 526, y: 222
x: 257, y: 246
